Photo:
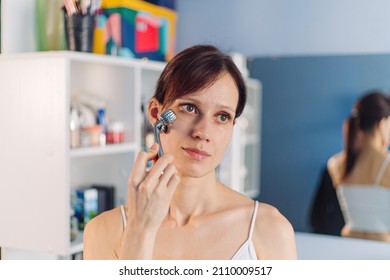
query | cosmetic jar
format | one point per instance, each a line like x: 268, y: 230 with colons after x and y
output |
x: 115, y: 132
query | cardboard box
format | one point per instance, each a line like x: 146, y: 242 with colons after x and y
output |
x: 134, y: 28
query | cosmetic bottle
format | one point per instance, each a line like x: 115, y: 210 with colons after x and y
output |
x: 74, y: 126
x: 101, y: 120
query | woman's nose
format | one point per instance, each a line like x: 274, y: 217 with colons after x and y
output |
x: 202, y: 130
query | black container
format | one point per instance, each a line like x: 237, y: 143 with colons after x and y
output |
x: 79, y: 31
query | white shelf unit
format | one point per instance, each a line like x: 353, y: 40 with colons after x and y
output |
x: 241, y: 165
x: 38, y: 167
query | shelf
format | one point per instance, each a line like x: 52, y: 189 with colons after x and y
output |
x: 109, y: 149
x: 106, y: 60
x: 38, y: 88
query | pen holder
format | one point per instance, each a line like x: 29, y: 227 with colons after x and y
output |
x: 79, y: 31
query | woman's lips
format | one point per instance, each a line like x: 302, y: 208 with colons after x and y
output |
x: 196, y: 154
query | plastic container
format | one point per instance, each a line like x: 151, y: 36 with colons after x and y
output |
x: 91, y: 135
x: 115, y: 133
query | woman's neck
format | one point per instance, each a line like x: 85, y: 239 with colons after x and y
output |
x: 372, y: 143
x: 194, y: 197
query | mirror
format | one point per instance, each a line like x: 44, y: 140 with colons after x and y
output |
x: 305, y: 101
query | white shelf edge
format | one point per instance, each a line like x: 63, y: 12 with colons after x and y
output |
x: 143, y: 63
x: 108, y: 149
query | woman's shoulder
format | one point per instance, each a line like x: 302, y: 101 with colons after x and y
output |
x: 269, y: 215
x: 379, y: 167
x: 104, y: 224
x: 101, y: 235
x: 106, y: 219
x: 274, y: 234
x: 386, y: 175
x: 335, y: 166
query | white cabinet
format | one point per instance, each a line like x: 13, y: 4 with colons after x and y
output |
x: 240, y: 167
x: 38, y: 167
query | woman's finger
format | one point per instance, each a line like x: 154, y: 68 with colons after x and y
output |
x: 167, y: 183
x: 158, y: 168
x: 138, y: 172
x: 166, y: 174
x: 153, y: 178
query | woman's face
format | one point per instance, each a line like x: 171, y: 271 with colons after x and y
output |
x: 203, y: 128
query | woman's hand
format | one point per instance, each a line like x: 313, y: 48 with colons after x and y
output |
x: 151, y: 191
x: 149, y: 195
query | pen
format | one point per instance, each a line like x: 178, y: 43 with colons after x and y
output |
x: 70, y: 7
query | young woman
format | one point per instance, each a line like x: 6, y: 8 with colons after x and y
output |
x: 177, y: 209
x: 361, y: 173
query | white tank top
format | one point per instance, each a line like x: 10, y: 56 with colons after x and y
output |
x: 245, y: 252
x: 366, y: 207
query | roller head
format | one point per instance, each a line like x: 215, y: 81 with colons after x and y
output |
x: 167, y: 117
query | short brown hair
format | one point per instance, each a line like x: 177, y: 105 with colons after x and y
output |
x: 197, y: 68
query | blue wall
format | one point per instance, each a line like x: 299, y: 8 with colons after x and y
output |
x: 286, y: 27
x: 305, y: 100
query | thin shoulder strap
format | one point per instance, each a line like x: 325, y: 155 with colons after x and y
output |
x: 254, y: 215
x: 382, y: 170
x: 124, y: 216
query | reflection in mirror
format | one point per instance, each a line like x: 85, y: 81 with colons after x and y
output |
x: 305, y: 102
x: 360, y: 173
x: 325, y: 213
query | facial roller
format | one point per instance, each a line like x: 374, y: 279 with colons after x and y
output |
x: 167, y: 117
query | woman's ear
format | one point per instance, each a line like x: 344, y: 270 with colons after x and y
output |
x: 154, y: 110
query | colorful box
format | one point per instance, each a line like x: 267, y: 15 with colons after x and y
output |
x: 134, y: 28
x: 86, y: 207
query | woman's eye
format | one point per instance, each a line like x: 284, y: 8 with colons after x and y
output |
x: 224, y: 118
x: 189, y: 108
